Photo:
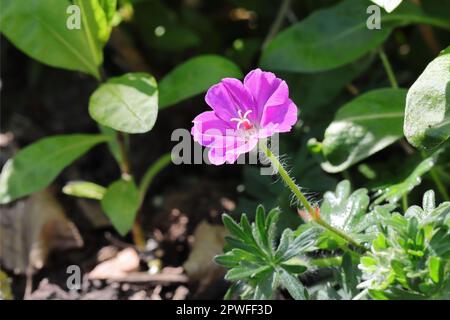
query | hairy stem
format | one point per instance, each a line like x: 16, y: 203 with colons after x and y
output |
x: 388, y: 68
x: 301, y: 197
x: 284, y: 8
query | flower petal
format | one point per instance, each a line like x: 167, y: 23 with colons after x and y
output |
x: 211, y: 131
x: 262, y: 86
x: 219, y: 156
x: 227, y: 97
x: 279, y: 118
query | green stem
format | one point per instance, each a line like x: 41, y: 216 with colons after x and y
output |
x: 284, y: 8
x: 437, y: 180
x: 388, y: 68
x: 405, y: 202
x: 286, y: 178
x: 152, y: 171
x: 123, y: 148
x: 301, y: 197
x: 339, y: 233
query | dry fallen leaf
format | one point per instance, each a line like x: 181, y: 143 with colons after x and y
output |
x: 124, y: 263
x: 209, y: 241
x: 30, y: 229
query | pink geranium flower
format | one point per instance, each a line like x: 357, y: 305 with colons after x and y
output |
x: 243, y: 113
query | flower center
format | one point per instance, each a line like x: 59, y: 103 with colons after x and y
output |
x: 242, y: 120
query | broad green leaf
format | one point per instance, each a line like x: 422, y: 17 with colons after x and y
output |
x: 193, y: 77
x: 292, y: 285
x: 36, y: 166
x: 84, y: 189
x: 121, y: 203
x: 362, y: 127
x: 310, y: 91
x: 336, y: 36
x: 393, y: 193
x: 161, y: 28
x: 128, y: 103
x: 39, y: 28
x: 427, y: 114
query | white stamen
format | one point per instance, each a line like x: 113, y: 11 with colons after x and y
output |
x: 242, y: 118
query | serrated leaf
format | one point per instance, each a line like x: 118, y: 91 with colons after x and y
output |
x: 427, y: 114
x: 362, y: 127
x: 292, y: 285
x: 349, y: 275
x: 240, y: 273
x: 128, y: 103
x: 345, y: 210
x: 261, y: 225
x: 233, y: 227
x: 121, y: 203
x: 36, y: 166
x: 195, y: 76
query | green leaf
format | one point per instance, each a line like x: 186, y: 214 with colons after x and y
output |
x: 311, y: 91
x: 261, y: 225
x: 84, y: 189
x: 121, y: 203
x: 161, y: 27
x: 427, y: 114
x: 193, y: 77
x: 349, y: 275
x: 394, y: 193
x: 332, y: 37
x: 39, y: 28
x: 435, y: 266
x: 292, y: 285
x: 36, y: 166
x: 240, y: 273
x: 345, y: 210
x: 128, y: 103
x: 362, y: 127
x: 294, y: 268
x: 233, y: 227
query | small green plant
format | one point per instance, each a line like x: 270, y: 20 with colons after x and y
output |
x: 257, y: 264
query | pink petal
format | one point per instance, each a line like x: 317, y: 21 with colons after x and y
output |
x: 211, y: 131
x: 279, y: 118
x: 262, y: 86
x: 227, y: 97
x: 219, y: 156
